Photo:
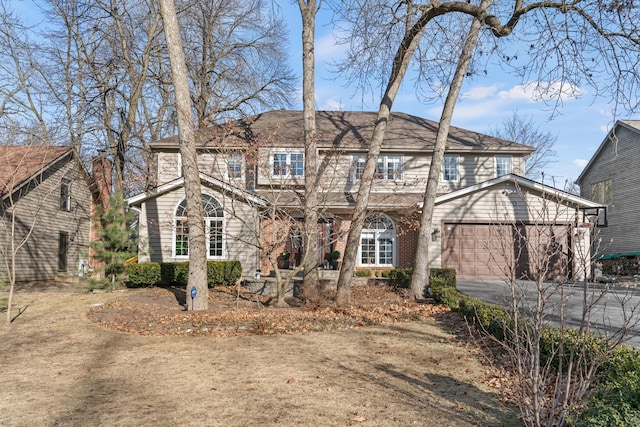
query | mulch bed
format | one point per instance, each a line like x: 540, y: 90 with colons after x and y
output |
x: 233, y: 312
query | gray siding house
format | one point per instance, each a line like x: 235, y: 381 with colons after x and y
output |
x: 612, y: 179
x: 45, y: 214
x: 254, y: 167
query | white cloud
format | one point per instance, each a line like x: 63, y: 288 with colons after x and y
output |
x: 536, y: 91
x: 327, y: 49
x: 331, y: 105
x: 581, y: 163
x: 516, y: 93
x: 480, y: 92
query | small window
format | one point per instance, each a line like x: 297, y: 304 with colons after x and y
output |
x: 297, y: 164
x: 234, y: 165
x: 357, y: 165
x: 602, y: 192
x: 65, y: 195
x: 450, y: 168
x: 393, y: 167
x: 63, y: 248
x: 287, y: 165
x: 503, y: 165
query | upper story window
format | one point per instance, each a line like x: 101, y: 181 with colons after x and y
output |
x: 65, y: 195
x: 504, y: 165
x: 287, y: 164
x: 234, y: 165
x: 388, y: 167
x: 602, y: 192
x: 450, y: 168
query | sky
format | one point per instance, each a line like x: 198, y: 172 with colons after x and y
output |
x: 580, y: 124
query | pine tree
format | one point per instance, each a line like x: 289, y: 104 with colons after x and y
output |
x: 114, y: 245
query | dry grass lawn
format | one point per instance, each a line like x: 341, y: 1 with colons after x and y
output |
x: 59, y: 368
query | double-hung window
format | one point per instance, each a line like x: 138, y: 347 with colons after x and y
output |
x: 287, y: 164
x: 450, y: 170
x: 388, y: 168
x: 234, y: 165
x: 357, y: 166
x: 602, y: 192
x: 504, y: 165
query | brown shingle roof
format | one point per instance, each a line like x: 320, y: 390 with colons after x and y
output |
x: 20, y: 163
x: 349, y: 130
x: 343, y: 200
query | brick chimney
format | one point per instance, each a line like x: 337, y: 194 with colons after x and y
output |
x: 102, y: 178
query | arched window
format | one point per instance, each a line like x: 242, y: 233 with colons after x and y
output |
x: 213, y: 227
x: 377, y: 241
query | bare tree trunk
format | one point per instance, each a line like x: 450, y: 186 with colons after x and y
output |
x: 12, y: 269
x: 308, y: 11
x: 401, y: 62
x: 186, y: 135
x: 420, y: 272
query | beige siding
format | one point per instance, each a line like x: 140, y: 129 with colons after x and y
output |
x: 336, y: 169
x: 337, y: 172
x: 619, y: 161
x: 213, y: 164
x: 518, y: 165
x: 39, y: 218
x: 168, y: 167
x: 498, y: 205
x: 157, y: 225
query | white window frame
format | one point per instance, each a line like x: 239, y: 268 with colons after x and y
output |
x: 378, y: 235
x: 208, y: 223
x: 382, y: 167
x: 65, y: 195
x: 498, y: 159
x: 445, y: 176
x: 232, y: 159
x: 288, y: 165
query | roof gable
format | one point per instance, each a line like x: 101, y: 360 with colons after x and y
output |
x: 521, y: 182
x: 138, y: 199
x: 20, y: 164
x: 349, y: 130
x: 631, y: 125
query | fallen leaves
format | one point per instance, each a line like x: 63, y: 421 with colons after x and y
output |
x: 151, y: 312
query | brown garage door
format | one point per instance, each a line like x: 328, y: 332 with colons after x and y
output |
x: 489, y: 251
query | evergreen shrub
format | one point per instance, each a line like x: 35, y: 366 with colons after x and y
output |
x: 363, y: 273
x: 177, y: 273
x: 143, y: 274
x: 400, y: 278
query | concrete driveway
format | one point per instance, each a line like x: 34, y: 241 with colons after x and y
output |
x: 614, y: 305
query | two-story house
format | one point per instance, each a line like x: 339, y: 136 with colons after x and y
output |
x: 45, y: 214
x: 253, y: 169
x: 611, y: 179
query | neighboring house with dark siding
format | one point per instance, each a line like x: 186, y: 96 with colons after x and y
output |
x: 45, y: 213
x: 612, y: 179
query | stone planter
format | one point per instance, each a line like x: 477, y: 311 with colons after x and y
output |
x: 283, y: 264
